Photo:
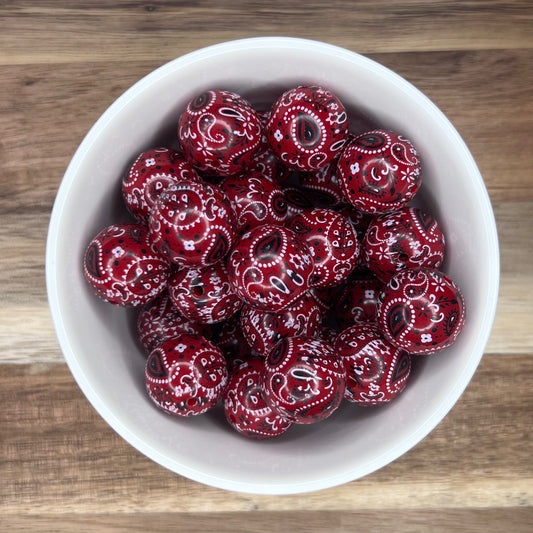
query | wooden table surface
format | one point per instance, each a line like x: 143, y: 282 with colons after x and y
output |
x: 61, y: 65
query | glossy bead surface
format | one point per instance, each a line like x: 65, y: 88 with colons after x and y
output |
x: 227, y: 335
x: 379, y: 172
x: 150, y: 174
x: 358, y: 302
x: 122, y: 267
x: 255, y: 199
x: 304, y: 380
x: 307, y: 127
x: 323, y: 186
x: 270, y: 268
x: 332, y: 241
x: 219, y: 132
x: 193, y: 224
x: 421, y: 311
x: 297, y: 200
x: 159, y: 320
x: 408, y: 238
x: 186, y: 375
x: 245, y: 407
x: 376, y: 371
x: 263, y: 330
x: 204, y: 295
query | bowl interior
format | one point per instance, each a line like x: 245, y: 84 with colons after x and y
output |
x: 97, y: 338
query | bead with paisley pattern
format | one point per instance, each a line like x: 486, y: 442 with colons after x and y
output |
x: 245, y: 407
x: 421, y: 311
x: 150, y: 175
x: 160, y: 319
x: 304, y: 379
x: 219, y: 132
x: 379, y: 172
x: 270, y: 268
x: 186, y: 375
x: 256, y: 200
x: 204, y: 295
x: 307, y: 127
x: 376, y: 371
x: 407, y: 238
x: 123, y: 268
x: 193, y: 224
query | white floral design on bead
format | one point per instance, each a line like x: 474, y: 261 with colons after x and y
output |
x: 426, y: 337
x: 354, y: 169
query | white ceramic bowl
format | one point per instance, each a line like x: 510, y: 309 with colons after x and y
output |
x: 96, y: 338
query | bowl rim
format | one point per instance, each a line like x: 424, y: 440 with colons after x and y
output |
x: 54, y: 228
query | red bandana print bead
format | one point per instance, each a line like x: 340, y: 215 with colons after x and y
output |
x: 307, y: 127
x: 227, y: 335
x: 219, y: 132
x: 150, y: 175
x: 270, y: 268
x: 245, y: 407
x: 193, y: 224
x: 204, y: 295
x: 263, y: 330
x: 186, y: 375
x: 376, y: 371
x: 421, y: 311
x: 256, y: 200
x: 358, y: 302
x: 323, y: 186
x: 408, y: 238
x: 379, y: 172
x: 159, y: 320
x: 123, y: 268
x: 297, y: 200
x: 332, y: 241
x: 304, y: 380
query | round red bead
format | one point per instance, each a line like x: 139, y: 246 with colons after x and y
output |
x: 379, y: 172
x: 245, y: 407
x: 376, y: 371
x: 151, y: 173
x: 307, y: 127
x: 304, y: 380
x: 408, y: 238
x: 263, y: 330
x: 358, y: 302
x: 227, y: 335
x: 270, y: 268
x: 255, y: 199
x: 193, y: 224
x: 219, y: 132
x: 323, y: 186
x: 204, y: 295
x: 123, y: 268
x: 186, y: 375
x: 159, y: 320
x: 297, y: 200
x: 332, y: 241
x: 421, y: 311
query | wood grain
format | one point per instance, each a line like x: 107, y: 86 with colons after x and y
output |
x: 100, y: 31
x: 495, y: 520
x: 61, y: 65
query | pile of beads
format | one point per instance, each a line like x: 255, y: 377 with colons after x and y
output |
x: 276, y: 263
